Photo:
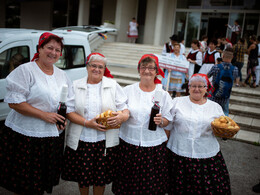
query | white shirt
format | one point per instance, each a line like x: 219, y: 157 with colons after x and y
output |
x: 235, y: 28
x: 27, y: 83
x: 135, y: 130
x: 93, y: 107
x: 198, y: 56
x: 191, y: 134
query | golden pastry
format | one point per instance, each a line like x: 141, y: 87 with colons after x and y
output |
x: 102, y: 119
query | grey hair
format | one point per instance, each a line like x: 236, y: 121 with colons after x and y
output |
x: 198, y: 79
x: 97, y: 58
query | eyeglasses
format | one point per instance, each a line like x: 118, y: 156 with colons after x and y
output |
x: 50, y: 48
x: 199, y: 86
x: 94, y: 66
x: 150, y: 68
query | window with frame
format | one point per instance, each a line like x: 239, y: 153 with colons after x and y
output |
x: 72, y: 57
x: 12, y: 58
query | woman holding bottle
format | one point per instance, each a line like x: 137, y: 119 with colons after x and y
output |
x: 142, y: 168
x: 91, y: 152
x: 31, y: 145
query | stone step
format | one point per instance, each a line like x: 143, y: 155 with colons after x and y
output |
x: 126, y: 76
x: 246, y: 101
x: 247, y: 136
x: 246, y: 111
x: 246, y: 92
x: 247, y: 123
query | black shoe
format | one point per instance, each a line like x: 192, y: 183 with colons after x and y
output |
x: 256, y: 188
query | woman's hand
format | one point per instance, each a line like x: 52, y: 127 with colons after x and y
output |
x: 94, y: 125
x: 52, y: 117
x: 62, y: 127
x: 116, y: 120
x: 158, y: 119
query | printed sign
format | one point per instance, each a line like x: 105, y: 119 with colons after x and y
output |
x: 173, y: 64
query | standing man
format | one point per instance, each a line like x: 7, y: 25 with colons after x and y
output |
x: 223, y: 76
x: 235, y: 29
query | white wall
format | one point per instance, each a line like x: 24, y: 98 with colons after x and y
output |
x: 2, y: 13
x: 125, y: 11
x: 36, y: 14
x: 109, y: 10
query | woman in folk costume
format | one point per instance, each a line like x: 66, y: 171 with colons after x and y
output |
x: 91, y: 151
x: 142, y: 168
x: 31, y: 145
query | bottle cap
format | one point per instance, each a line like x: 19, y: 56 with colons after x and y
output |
x: 64, y: 93
x: 157, y: 96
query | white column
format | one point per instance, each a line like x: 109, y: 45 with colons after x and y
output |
x: 125, y: 11
x: 159, y: 23
x: 83, y: 15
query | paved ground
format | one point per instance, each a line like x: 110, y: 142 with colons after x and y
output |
x: 242, y: 159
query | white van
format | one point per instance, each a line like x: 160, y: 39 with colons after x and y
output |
x: 19, y: 46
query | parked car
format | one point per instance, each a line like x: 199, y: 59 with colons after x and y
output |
x: 23, y: 43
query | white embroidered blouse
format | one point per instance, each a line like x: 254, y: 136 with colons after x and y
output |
x: 135, y: 130
x: 93, y: 107
x: 27, y: 83
x: 191, y: 134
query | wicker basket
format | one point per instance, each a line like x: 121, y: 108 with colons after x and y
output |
x: 227, y: 132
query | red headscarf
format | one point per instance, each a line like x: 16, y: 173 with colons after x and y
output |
x: 107, y: 72
x: 160, y: 72
x: 42, y: 39
x: 210, y: 88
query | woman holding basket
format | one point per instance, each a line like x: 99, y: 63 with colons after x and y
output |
x: 196, y: 163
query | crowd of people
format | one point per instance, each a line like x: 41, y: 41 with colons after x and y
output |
x: 182, y: 156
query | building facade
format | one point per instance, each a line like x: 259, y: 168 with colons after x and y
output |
x: 158, y: 19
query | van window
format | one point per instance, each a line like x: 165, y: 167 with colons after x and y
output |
x: 72, y: 57
x: 12, y: 58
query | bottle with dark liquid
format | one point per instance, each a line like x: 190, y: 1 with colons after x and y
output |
x: 155, y: 110
x: 62, y: 108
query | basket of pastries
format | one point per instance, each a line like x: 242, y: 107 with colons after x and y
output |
x: 224, y: 127
x: 102, y: 119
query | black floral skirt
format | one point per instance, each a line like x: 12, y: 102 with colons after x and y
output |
x: 88, y: 165
x: 30, y: 165
x: 141, y: 170
x: 198, y: 176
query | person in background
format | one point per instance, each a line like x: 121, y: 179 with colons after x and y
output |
x: 177, y: 79
x: 210, y: 57
x: 226, y: 42
x: 257, y: 70
x: 168, y: 47
x: 132, y: 31
x: 182, y: 51
x: 219, y: 46
x: 195, y: 58
x: 252, y: 62
x: 89, y: 157
x: 239, y: 50
x: 235, y: 29
x: 215, y: 72
x: 31, y: 145
x: 204, y: 44
x: 142, y: 166
x: 196, y: 164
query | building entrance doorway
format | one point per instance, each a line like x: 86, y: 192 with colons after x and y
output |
x: 217, y: 28
x: 214, y: 25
